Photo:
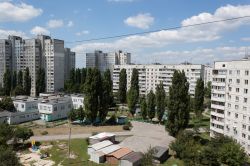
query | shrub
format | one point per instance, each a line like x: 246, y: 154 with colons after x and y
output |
x: 44, y: 132
x: 126, y: 127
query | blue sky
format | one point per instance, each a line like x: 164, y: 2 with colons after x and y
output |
x: 85, y: 19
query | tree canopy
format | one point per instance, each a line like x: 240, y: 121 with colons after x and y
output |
x: 160, y: 101
x: 199, y: 97
x: 122, y: 86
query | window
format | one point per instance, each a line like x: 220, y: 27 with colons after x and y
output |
x: 237, y: 90
x: 243, y: 135
x: 244, y: 117
x: 238, y: 72
x: 237, y: 98
x: 230, y: 72
x: 230, y: 80
x: 236, y: 107
x: 229, y: 105
x: 228, y: 113
x: 236, y: 115
x: 237, y: 81
x: 245, y: 100
x: 245, y: 91
x: 246, y: 72
x: 244, y: 126
x: 246, y: 82
x: 244, y: 108
x: 230, y: 89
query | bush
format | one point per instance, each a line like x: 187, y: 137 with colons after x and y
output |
x: 44, y: 132
x: 126, y: 127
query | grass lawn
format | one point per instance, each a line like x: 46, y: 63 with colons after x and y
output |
x: 59, y: 153
x: 203, y: 122
x: 173, y: 162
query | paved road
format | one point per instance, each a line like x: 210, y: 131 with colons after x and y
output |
x: 73, y: 136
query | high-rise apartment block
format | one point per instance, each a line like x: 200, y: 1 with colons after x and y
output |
x: 43, y: 52
x: 151, y: 75
x: 207, y: 74
x: 230, y: 101
x: 104, y: 61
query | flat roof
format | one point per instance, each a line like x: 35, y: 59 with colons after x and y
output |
x: 120, y: 153
x: 101, y: 145
x: 158, y: 151
x: 110, y: 149
x: 102, y: 135
x: 133, y: 156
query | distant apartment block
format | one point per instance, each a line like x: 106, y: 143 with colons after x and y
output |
x: 104, y: 61
x: 207, y: 74
x: 151, y: 75
x: 43, y: 52
x: 230, y: 101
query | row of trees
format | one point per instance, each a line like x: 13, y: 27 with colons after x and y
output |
x: 194, y: 150
x: 16, y: 134
x: 76, y: 81
x: 7, y: 104
x: 154, y: 104
x: 20, y: 83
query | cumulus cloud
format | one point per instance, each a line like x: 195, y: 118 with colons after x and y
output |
x: 55, y: 23
x: 37, y: 30
x: 70, y: 24
x: 5, y: 33
x: 82, y: 33
x: 142, y: 21
x: 10, y: 12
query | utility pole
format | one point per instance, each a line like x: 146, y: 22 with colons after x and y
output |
x: 69, y: 142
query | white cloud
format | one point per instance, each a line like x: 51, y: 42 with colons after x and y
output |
x: 142, y: 21
x: 82, y: 33
x: 37, y: 30
x: 70, y: 24
x: 10, y: 12
x: 245, y: 39
x: 55, y: 23
x: 5, y: 33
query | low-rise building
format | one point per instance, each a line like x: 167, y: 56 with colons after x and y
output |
x: 95, y: 147
x: 132, y: 159
x: 26, y: 104
x: 55, y: 108
x: 113, y: 158
x: 77, y: 101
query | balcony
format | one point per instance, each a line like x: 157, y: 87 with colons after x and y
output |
x: 214, y: 113
x: 218, y: 84
x: 219, y: 91
x: 220, y: 99
x: 220, y: 107
x: 217, y: 122
x: 218, y: 130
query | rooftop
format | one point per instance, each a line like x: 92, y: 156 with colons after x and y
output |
x: 102, y: 135
x: 101, y: 145
x: 133, y: 156
x: 159, y: 151
x: 120, y: 153
x: 110, y: 149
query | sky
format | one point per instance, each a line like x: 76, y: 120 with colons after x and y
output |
x: 78, y: 20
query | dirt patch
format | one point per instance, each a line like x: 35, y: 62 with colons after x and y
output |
x: 77, y: 130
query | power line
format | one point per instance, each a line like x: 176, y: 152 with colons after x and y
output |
x: 158, y: 30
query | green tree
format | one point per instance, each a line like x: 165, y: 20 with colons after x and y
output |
x: 6, y: 133
x: 147, y: 158
x: 78, y: 76
x: 7, y: 104
x: 133, y: 93
x: 143, y: 106
x: 122, y: 86
x: 27, y: 82
x: 208, y: 90
x: 7, y: 82
x: 83, y: 75
x: 106, y: 95
x: 18, y: 91
x: 199, y: 97
x: 151, y: 104
x: 8, y: 157
x: 80, y: 114
x: 72, y: 115
x: 14, y: 80
x: 22, y: 133
x: 20, y: 78
x: 92, y: 91
x: 178, y: 104
x: 40, y: 81
x: 160, y: 100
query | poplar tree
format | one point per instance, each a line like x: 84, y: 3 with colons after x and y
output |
x: 143, y: 106
x: 199, y: 97
x: 20, y: 78
x: 27, y: 82
x: 151, y: 104
x: 40, y: 81
x: 14, y: 80
x: 178, y: 104
x: 122, y: 92
x: 160, y: 101
x: 7, y: 82
x: 133, y: 93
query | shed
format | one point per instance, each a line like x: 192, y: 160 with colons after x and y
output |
x: 99, y: 156
x: 113, y: 158
x: 101, y: 137
x: 4, y: 116
x: 132, y: 159
x: 160, y: 154
x: 98, y: 146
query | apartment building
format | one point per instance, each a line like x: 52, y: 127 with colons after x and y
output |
x: 151, y: 75
x: 5, y: 58
x: 42, y: 52
x: 230, y: 105
x: 77, y: 101
x: 207, y: 74
x: 104, y: 61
